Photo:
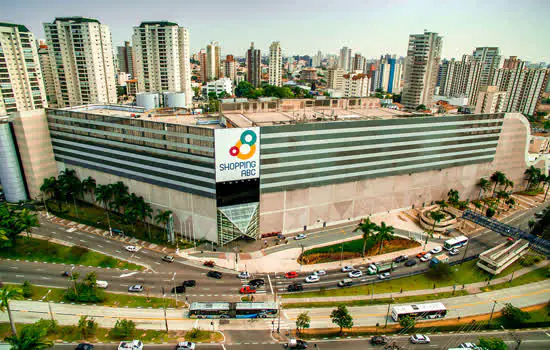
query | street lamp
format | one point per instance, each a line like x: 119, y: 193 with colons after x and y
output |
x: 49, y: 304
x: 279, y: 321
x: 175, y: 290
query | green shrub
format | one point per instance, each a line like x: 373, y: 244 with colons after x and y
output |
x: 529, y: 260
x: 51, y: 326
x: 193, y: 333
x: 123, y: 329
x: 27, y: 289
x: 490, y: 212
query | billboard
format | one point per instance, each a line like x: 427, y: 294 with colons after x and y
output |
x: 237, y: 154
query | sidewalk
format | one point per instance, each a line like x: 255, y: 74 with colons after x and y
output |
x: 472, y: 288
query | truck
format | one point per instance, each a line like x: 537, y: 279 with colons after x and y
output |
x: 374, y: 269
x: 443, y: 258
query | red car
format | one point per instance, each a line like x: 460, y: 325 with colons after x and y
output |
x: 421, y: 254
x: 248, y: 290
x: 291, y: 274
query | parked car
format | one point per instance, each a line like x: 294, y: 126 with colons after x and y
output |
x: 135, y: 288
x: 295, y: 287
x: 248, y: 290
x: 131, y: 248
x: 189, y: 283
x: 410, y: 263
x: 258, y: 282
x: 214, y: 274
x: 453, y: 251
x: 130, y: 345
x: 312, y: 279
x: 168, y: 258
x: 300, y: 236
x: 296, y: 344
x: 379, y: 340
x: 419, y: 339
x: 384, y: 275
x: 437, y: 250
x: 355, y: 274
x: 540, y: 214
x: 291, y: 274
x: 320, y: 273
x: 421, y: 254
x: 244, y: 275
x: 348, y: 268
x: 426, y: 257
x: 185, y: 345
x: 102, y: 284
x: 209, y: 263
x: 178, y: 289
x: 401, y: 258
x: 84, y: 346
x: 346, y: 282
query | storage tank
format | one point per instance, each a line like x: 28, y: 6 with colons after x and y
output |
x: 148, y: 100
x: 174, y: 99
x: 11, y: 176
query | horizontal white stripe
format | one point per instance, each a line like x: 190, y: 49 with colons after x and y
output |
x: 129, y: 172
x: 374, y: 137
x: 364, y: 164
x: 198, y: 158
x: 371, y: 155
x: 321, y: 152
x: 368, y: 172
x: 136, y: 155
x: 374, y: 128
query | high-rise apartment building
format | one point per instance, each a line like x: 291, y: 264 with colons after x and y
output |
x: 345, y: 60
x: 317, y: 59
x: 389, y: 74
x: 512, y: 63
x: 47, y: 75
x: 461, y: 78
x: 230, y: 68
x: 161, y: 51
x: 359, y: 63
x: 421, y: 69
x: 490, y: 59
x: 490, y: 100
x: 356, y: 85
x: 21, y: 85
x: 213, y: 52
x: 254, y: 66
x: 202, y: 61
x: 81, y: 53
x: 275, y: 64
x: 335, y: 78
x: 125, y: 57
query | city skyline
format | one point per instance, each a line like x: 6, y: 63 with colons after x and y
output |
x: 302, y: 29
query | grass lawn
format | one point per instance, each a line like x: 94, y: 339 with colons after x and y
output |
x: 467, y: 273
x: 113, y: 299
x: 530, y: 277
x: 41, y: 250
x: 402, y: 300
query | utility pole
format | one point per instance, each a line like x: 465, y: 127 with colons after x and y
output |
x: 164, y: 307
x: 465, y: 252
x: 279, y: 321
x: 388, y: 313
x: 492, y: 311
x: 49, y: 305
x: 301, y: 256
x: 175, y: 291
x: 341, y: 253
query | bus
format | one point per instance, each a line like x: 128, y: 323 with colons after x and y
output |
x: 429, y: 310
x: 256, y: 310
x: 456, y: 242
x: 210, y: 310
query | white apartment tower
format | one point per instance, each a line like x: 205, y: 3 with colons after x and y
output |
x: 81, y: 53
x: 356, y: 85
x: 161, y: 51
x: 317, y: 59
x: 461, y: 78
x: 421, y: 69
x: 21, y: 85
x: 275, y: 64
x: 490, y: 100
x: 213, y: 60
x: 490, y: 59
x: 47, y: 75
x: 335, y: 78
x: 345, y: 60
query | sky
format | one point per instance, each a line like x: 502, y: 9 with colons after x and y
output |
x: 372, y: 28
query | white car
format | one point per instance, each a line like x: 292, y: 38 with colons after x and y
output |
x: 300, y: 236
x: 130, y: 345
x: 320, y: 273
x: 312, y: 279
x: 243, y: 274
x: 471, y: 346
x: 384, y: 275
x: 419, y: 339
x: 453, y: 251
x: 131, y: 248
x: 348, y: 268
x: 436, y: 250
x: 184, y: 345
x: 426, y: 257
x: 102, y: 284
x: 136, y: 288
x: 355, y: 274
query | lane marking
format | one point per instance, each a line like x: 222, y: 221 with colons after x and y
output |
x: 270, y: 285
x: 100, y: 246
x: 128, y: 274
x: 20, y: 276
x: 81, y: 240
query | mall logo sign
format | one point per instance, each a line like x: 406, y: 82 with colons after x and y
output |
x: 237, y: 154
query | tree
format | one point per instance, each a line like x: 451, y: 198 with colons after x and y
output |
x: 508, y: 183
x: 454, y: 196
x: 162, y: 218
x: 421, y: 107
x: 104, y: 194
x: 32, y: 337
x: 442, y: 204
x: 441, y: 271
x: 407, y: 322
x: 7, y: 294
x: 341, y: 317
x: 498, y: 178
x: 367, y: 227
x: 302, y: 322
x: 123, y: 329
x: 484, y: 186
x: 478, y: 205
x: 89, y: 185
x: 385, y: 233
x: 243, y: 89
x: 533, y: 175
x: 490, y: 212
x: 515, y: 314
x: 70, y: 185
x: 27, y: 289
x: 27, y: 221
x: 492, y: 344
x: 436, y: 216
x: 120, y: 192
x: 48, y: 189
x: 86, y: 326
x: 547, y: 182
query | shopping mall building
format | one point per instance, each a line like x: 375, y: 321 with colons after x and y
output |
x: 265, y: 165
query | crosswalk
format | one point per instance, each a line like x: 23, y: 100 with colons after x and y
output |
x: 259, y: 290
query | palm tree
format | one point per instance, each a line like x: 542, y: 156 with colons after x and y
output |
x: 27, y: 221
x: 120, y: 192
x: 484, y: 186
x: 533, y: 175
x: 385, y: 233
x: 48, y: 189
x: 508, y: 183
x: 454, y: 196
x: 478, y: 205
x: 89, y: 185
x: 436, y: 216
x: 7, y: 294
x: 70, y: 185
x: 442, y: 204
x: 131, y: 210
x: 144, y: 212
x: 367, y: 227
x: 32, y: 337
x: 547, y: 182
x: 498, y: 178
x: 162, y: 218
x: 104, y: 194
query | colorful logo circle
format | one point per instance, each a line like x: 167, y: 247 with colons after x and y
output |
x: 245, y: 148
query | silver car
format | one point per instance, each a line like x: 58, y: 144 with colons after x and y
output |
x: 419, y: 339
x: 135, y: 288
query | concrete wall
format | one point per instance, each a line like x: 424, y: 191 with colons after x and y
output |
x: 290, y: 211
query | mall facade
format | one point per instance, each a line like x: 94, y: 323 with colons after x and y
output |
x: 269, y: 165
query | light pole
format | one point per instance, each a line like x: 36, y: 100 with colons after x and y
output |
x: 492, y: 311
x: 341, y: 253
x: 175, y: 290
x: 164, y: 307
x: 49, y: 304
x: 388, y: 313
x: 301, y: 256
x: 279, y: 321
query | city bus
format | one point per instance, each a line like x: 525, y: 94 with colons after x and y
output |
x: 456, y: 242
x: 429, y: 310
x: 210, y: 310
x: 256, y: 310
